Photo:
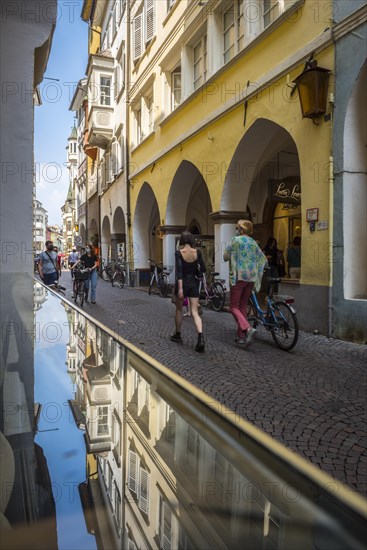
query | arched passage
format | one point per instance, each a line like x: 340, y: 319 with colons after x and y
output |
x: 118, y: 234
x: 106, y: 251
x: 147, y: 242
x: 263, y: 184
x: 83, y: 233
x: 93, y: 229
x: 189, y: 206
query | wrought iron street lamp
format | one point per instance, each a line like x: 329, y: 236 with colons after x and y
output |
x: 312, y: 87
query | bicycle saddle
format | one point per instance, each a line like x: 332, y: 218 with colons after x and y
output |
x: 274, y: 279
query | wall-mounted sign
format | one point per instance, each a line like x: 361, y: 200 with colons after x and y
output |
x: 312, y: 214
x: 78, y: 240
x: 286, y: 190
x: 322, y: 225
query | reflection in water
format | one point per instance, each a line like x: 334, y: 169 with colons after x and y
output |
x: 143, y: 463
x: 59, y: 436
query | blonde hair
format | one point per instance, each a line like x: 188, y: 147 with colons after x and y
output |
x: 245, y: 226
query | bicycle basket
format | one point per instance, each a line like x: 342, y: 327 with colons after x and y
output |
x: 81, y: 275
x: 159, y: 269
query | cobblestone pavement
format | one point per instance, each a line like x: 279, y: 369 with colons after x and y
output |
x: 312, y: 399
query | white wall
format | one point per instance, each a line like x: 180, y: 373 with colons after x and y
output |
x: 24, y: 27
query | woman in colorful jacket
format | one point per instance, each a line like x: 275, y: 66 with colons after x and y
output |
x: 246, y: 266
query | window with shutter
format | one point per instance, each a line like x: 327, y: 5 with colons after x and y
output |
x: 165, y: 526
x: 102, y: 427
x: 132, y: 471
x: 122, y: 152
x: 108, y: 168
x: 138, y: 37
x: 114, y: 168
x: 176, y: 87
x: 105, y: 87
x: 144, y: 491
x: 149, y: 20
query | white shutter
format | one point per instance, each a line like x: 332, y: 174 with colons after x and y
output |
x: 138, y: 37
x: 122, y: 152
x: 133, y: 471
x: 122, y: 65
x: 166, y: 527
x: 144, y: 491
x: 149, y: 26
x: 114, y: 159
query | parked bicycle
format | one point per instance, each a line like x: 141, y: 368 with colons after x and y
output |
x: 279, y: 318
x: 106, y: 271
x: 119, y: 276
x: 213, y: 294
x: 80, y: 275
x: 159, y: 280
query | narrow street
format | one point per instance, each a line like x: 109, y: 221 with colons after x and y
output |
x: 312, y: 399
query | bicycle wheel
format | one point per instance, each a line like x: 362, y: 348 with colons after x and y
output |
x: 118, y: 280
x: 151, y: 284
x: 75, y: 289
x: 219, y: 296
x: 252, y: 314
x: 164, y: 286
x: 79, y: 293
x: 285, y: 332
x: 105, y: 275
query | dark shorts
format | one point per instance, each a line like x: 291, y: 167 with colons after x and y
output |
x: 50, y: 278
x: 190, y: 288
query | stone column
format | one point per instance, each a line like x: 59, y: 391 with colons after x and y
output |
x: 170, y: 235
x: 224, y: 230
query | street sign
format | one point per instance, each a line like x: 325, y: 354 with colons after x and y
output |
x: 78, y: 241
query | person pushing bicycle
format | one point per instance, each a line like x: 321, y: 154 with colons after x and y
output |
x: 246, y: 266
x: 90, y: 261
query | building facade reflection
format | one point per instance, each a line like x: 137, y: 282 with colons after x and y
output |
x: 165, y: 470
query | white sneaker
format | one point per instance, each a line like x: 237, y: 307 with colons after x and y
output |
x: 250, y: 335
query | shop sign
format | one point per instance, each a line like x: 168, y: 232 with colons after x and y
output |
x: 287, y: 190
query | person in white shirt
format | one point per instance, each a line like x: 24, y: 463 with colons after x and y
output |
x: 73, y: 258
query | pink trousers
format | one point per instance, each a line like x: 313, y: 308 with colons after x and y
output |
x: 238, y: 298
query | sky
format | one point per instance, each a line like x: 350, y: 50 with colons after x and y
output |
x: 62, y: 442
x: 53, y: 120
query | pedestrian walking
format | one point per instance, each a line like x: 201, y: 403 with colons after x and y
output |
x: 246, y: 266
x: 48, y: 267
x: 189, y: 264
x: 294, y: 259
x: 276, y: 262
x: 90, y: 261
x: 72, y: 259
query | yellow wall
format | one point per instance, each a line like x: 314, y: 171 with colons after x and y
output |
x: 313, y: 142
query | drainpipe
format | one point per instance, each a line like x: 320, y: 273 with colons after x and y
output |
x: 331, y: 212
x: 331, y: 203
x: 127, y: 149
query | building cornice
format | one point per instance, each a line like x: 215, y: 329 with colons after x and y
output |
x: 350, y: 23
x: 285, y: 67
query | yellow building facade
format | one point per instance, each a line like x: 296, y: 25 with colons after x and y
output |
x: 215, y: 123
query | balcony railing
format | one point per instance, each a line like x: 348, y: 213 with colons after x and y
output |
x: 92, y: 186
x: 82, y: 209
x: 82, y: 168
